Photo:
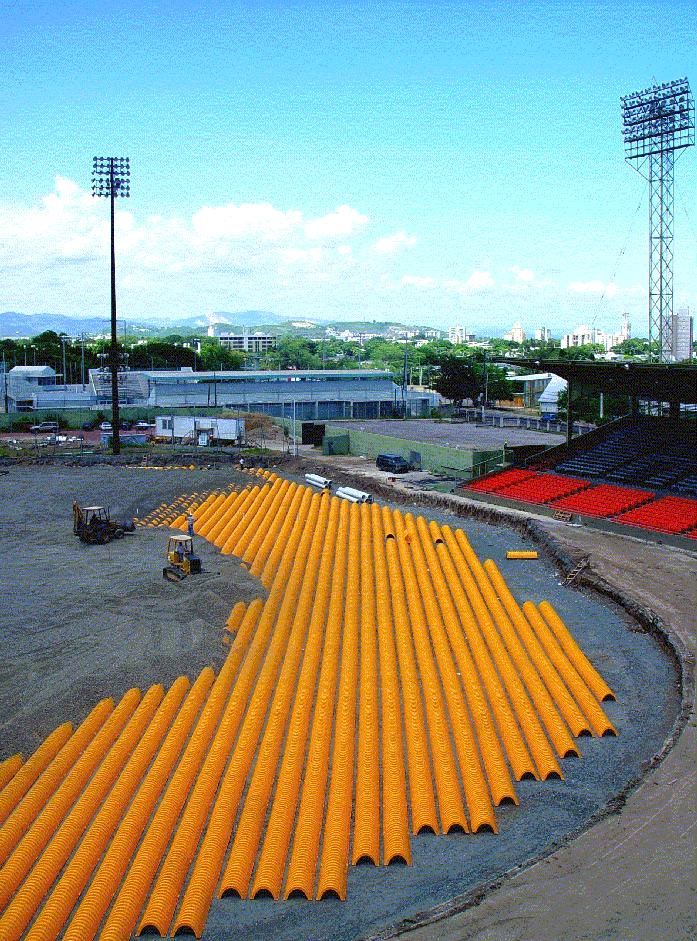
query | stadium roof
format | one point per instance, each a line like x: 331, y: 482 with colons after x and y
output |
x: 657, y: 382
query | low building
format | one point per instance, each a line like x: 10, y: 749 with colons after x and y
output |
x: 306, y: 394
x: 200, y: 430
x: 529, y: 389
x: 248, y: 342
x: 28, y: 388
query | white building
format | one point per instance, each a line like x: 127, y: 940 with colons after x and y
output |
x: 584, y: 335
x: 543, y: 334
x: 248, y: 342
x: 682, y: 335
x: 516, y: 334
x: 458, y: 334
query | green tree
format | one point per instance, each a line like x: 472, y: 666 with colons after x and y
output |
x: 457, y: 379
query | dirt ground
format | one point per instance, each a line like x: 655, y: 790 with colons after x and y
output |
x: 82, y: 621
x: 457, y: 435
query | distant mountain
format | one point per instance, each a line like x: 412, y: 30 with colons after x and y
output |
x: 224, y: 318
x: 13, y: 324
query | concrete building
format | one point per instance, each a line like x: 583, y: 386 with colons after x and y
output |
x: 584, y: 335
x: 459, y: 334
x: 248, y: 342
x: 543, y: 334
x: 516, y: 334
x: 28, y: 388
x: 682, y: 334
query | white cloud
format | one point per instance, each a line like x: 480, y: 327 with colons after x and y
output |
x: 390, y: 244
x: 344, y: 249
x: 341, y: 223
x: 422, y: 284
x: 593, y: 287
x: 526, y: 275
x: 477, y: 281
x: 249, y: 220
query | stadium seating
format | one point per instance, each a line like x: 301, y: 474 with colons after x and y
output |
x: 654, y: 452
x: 603, y: 500
x: 543, y: 488
x: 667, y: 515
x: 495, y: 482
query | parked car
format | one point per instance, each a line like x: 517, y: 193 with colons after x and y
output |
x: 105, y: 426
x: 51, y: 426
x: 142, y: 426
x: 87, y: 426
x: 394, y: 463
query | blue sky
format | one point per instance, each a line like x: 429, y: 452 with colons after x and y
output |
x: 431, y: 162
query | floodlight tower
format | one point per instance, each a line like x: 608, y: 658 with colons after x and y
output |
x: 658, y: 123
x: 111, y: 177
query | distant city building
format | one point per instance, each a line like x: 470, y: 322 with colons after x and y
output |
x: 544, y: 334
x: 682, y: 333
x: 459, y: 334
x: 584, y: 335
x: 248, y: 342
x: 431, y: 334
x: 516, y: 334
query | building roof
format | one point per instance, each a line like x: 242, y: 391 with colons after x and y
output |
x: 32, y: 371
x: 268, y: 374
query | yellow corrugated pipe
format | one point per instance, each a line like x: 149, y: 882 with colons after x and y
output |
x: 287, y: 539
x: 243, y: 852
x: 592, y: 712
x: 424, y: 817
x: 544, y: 704
x: 590, y: 675
x: 521, y: 554
x: 272, y: 860
x: 45, y: 825
x: 128, y: 815
x: 216, y: 520
x: 229, y: 519
x: 333, y: 870
x: 23, y: 776
x: 9, y: 768
x: 285, y: 511
x: 366, y: 830
x: 229, y: 535
x: 256, y: 519
x: 303, y: 858
x: 235, y: 618
x: 395, y: 815
x: 71, y: 832
x: 567, y: 706
x: 41, y: 791
x: 477, y: 624
x: 272, y: 509
x: 452, y: 811
x: 447, y: 634
x: 202, y: 882
x: 546, y: 762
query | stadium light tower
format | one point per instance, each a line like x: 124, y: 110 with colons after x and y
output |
x: 658, y: 123
x: 111, y: 177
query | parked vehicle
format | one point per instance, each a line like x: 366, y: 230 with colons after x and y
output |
x: 142, y: 426
x: 105, y: 426
x: 51, y: 426
x: 394, y: 463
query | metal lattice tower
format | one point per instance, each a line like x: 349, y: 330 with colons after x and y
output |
x: 657, y: 123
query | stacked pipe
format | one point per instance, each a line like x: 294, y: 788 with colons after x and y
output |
x: 389, y: 684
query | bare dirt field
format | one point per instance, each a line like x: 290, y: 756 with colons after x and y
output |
x: 83, y: 622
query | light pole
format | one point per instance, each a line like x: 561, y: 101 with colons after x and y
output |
x: 111, y: 178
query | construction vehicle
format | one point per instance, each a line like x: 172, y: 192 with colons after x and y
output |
x: 93, y: 525
x: 182, y: 559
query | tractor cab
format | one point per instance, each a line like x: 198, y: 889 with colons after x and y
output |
x: 181, y: 555
x: 95, y: 514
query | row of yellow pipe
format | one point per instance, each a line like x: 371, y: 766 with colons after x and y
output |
x: 383, y: 642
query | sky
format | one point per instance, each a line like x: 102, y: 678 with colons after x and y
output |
x: 424, y: 161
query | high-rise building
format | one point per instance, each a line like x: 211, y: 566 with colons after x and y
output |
x: 516, y: 334
x: 248, y: 343
x: 544, y: 334
x: 459, y: 334
x: 682, y: 334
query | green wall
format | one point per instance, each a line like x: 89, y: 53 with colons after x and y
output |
x: 434, y: 457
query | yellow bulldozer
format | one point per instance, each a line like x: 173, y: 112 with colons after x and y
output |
x: 182, y: 559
